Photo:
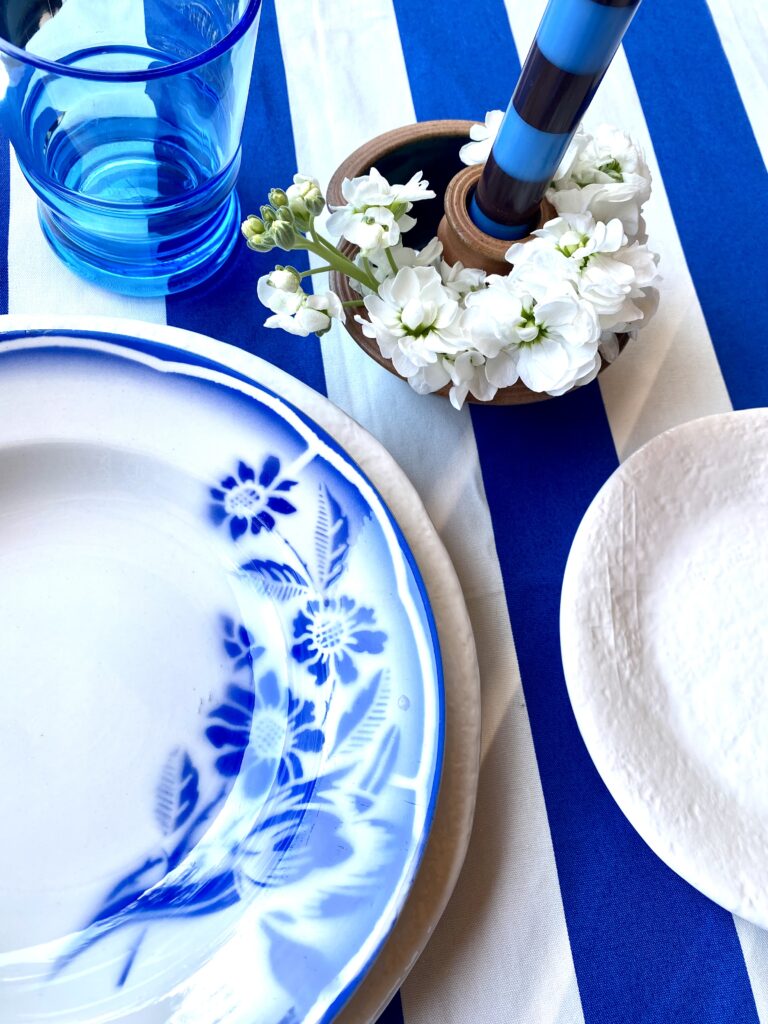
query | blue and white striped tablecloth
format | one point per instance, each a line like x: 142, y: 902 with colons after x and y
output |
x: 562, y: 914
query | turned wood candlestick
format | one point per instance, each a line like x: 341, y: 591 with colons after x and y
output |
x: 462, y: 240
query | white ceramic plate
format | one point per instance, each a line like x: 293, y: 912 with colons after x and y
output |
x: 664, y: 628
x: 58, y: 491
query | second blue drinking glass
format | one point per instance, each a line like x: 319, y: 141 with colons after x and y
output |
x: 126, y: 117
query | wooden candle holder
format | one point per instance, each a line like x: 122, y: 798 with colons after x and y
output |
x: 432, y: 147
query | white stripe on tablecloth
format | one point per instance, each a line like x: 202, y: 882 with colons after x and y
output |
x: 754, y: 943
x: 670, y: 374
x: 507, y: 910
x: 743, y: 31
x: 39, y: 282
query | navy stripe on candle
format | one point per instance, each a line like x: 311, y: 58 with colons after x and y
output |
x: 507, y: 200
x: 566, y: 63
x: 644, y: 943
x: 618, y: 3
x: 551, y: 99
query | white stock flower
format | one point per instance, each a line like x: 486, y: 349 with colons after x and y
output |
x: 606, y: 175
x: 402, y: 256
x: 576, y: 237
x: 605, y: 271
x: 305, y: 197
x: 464, y: 372
x: 372, y: 230
x: 461, y: 280
x: 483, y: 137
x: 534, y: 327
x: 413, y: 319
x: 376, y: 213
x: 293, y: 310
x: 281, y: 291
x: 469, y: 376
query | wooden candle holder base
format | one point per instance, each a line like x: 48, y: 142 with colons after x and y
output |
x: 432, y: 147
x: 462, y: 239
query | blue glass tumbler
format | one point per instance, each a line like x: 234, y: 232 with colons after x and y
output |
x: 126, y: 117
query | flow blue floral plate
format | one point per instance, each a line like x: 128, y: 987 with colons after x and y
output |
x: 221, y: 716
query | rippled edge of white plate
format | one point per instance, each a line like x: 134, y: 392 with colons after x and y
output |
x: 449, y: 836
x: 587, y: 711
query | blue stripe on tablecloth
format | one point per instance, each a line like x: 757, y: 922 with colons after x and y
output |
x: 226, y: 307
x: 715, y: 180
x: 646, y: 946
x: 5, y: 210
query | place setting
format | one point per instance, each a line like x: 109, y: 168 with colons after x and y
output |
x: 365, y: 609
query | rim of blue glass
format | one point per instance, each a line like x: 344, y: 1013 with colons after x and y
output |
x: 177, y: 68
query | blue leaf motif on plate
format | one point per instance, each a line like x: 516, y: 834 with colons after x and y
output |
x: 244, y: 502
x: 177, y: 793
x: 331, y: 540
x: 366, y: 715
x: 276, y: 579
x: 328, y: 632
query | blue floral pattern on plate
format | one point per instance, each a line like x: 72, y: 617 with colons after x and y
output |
x: 288, y: 815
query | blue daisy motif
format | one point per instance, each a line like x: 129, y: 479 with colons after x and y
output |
x: 262, y: 733
x: 240, y: 645
x: 329, y: 632
x: 245, y: 502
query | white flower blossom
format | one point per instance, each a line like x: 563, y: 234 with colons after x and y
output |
x: 534, y: 327
x: 293, y: 310
x: 305, y: 197
x: 376, y: 213
x: 465, y: 373
x: 372, y: 230
x: 281, y: 291
x: 461, y: 280
x: 413, y: 319
x: 595, y: 257
x: 402, y: 256
x: 604, y: 174
x: 483, y: 137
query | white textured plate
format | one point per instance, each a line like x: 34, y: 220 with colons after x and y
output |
x: 453, y: 814
x: 664, y: 630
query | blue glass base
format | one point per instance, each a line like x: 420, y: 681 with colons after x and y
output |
x: 157, y: 267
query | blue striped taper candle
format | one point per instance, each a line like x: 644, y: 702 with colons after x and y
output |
x: 573, y: 47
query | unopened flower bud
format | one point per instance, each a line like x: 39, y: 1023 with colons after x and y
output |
x: 285, y: 214
x: 278, y: 198
x: 252, y: 227
x: 283, y: 234
x: 268, y: 215
x: 315, y: 202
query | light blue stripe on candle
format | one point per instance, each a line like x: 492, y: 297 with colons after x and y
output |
x: 525, y: 152
x: 581, y: 36
x: 508, y: 232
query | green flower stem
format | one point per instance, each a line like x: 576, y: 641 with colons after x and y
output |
x: 391, y: 260
x: 352, y: 302
x: 315, y: 270
x: 320, y: 247
x: 334, y: 255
